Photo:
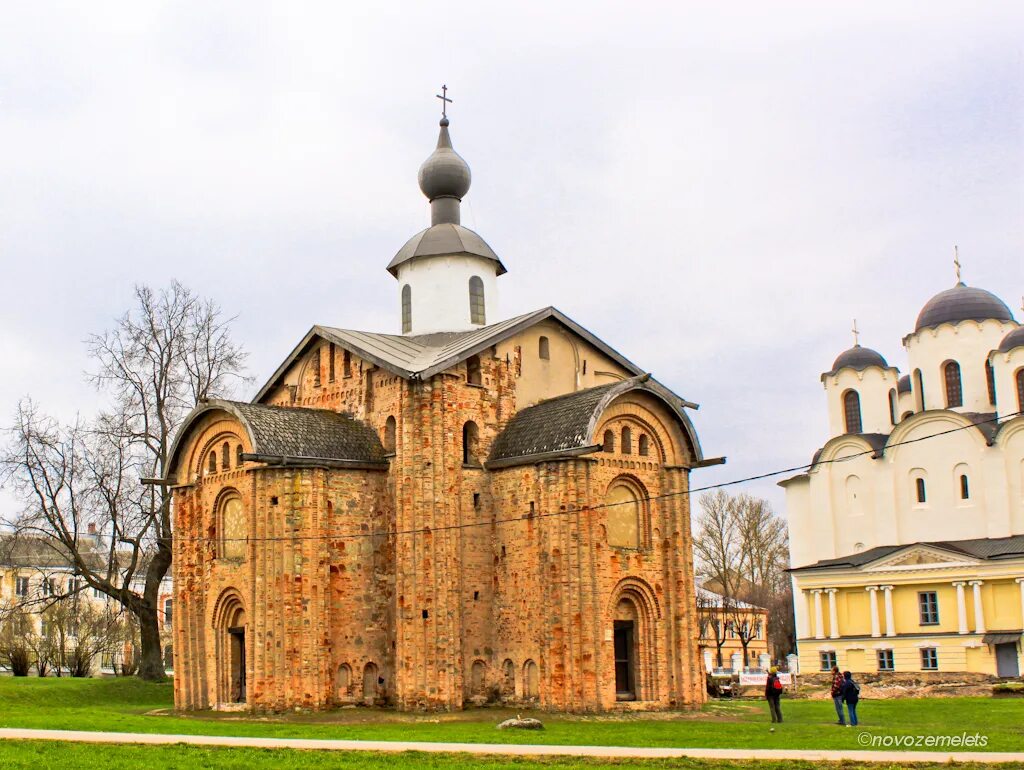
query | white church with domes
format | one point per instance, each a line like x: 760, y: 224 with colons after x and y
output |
x: 907, y: 531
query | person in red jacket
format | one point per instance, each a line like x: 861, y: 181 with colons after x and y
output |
x: 838, y: 682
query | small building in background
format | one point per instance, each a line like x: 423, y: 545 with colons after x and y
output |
x: 724, y: 624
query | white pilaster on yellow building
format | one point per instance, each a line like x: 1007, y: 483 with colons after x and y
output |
x: 907, y: 533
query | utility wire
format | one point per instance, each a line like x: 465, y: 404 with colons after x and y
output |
x: 570, y: 511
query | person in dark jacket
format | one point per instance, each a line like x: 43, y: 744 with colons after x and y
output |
x: 837, y: 694
x: 773, y: 693
x: 851, y: 694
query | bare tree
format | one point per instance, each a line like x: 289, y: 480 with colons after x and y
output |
x: 160, y: 359
x: 742, y: 551
x: 711, y: 621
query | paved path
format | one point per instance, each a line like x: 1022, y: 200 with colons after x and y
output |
x: 514, y: 749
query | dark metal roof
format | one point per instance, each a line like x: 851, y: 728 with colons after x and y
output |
x: 980, y: 548
x: 423, y: 356
x: 295, y: 434
x: 1014, y: 339
x: 566, y: 424
x: 903, y: 385
x: 962, y: 303
x: 858, y: 358
x: 443, y: 240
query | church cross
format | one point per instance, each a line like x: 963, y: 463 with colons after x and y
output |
x: 445, y: 101
x: 856, y: 334
x: 956, y: 263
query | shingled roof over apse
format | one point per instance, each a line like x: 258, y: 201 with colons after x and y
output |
x: 566, y: 423
x: 298, y: 434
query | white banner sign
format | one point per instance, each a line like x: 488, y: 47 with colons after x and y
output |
x: 751, y: 680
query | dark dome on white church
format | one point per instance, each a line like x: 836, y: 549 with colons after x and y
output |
x: 903, y: 384
x: 1014, y: 339
x: 858, y: 358
x: 445, y: 174
x: 962, y: 303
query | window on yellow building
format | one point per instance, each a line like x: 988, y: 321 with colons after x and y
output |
x: 928, y: 601
x: 929, y: 659
x: 828, y: 659
x: 885, y: 661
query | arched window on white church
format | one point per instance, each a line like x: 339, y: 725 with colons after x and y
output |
x: 406, y: 309
x: 851, y: 411
x: 476, y: 301
x: 954, y: 388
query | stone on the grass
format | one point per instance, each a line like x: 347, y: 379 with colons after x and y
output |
x: 521, y: 724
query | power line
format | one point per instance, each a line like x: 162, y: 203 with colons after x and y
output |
x: 570, y: 511
x: 550, y: 514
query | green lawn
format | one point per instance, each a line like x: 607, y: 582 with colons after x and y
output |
x: 128, y: 705
x: 33, y: 755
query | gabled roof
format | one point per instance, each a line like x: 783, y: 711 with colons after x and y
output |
x: 422, y: 356
x: 565, y: 424
x: 295, y: 435
x: 979, y: 548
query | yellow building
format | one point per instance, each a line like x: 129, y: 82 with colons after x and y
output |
x: 907, y: 530
x: 943, y: 606
x: 723, y: 626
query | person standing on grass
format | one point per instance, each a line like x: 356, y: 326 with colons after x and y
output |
x: 851, y: 694
x: 773, y: 693
x: 837, y: 693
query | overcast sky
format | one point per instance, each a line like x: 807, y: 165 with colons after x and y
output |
x: 716, y: 190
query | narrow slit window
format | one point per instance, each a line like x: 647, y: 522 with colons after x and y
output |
x: 406, y: 309
x: 965, y: 487
x: 477, y: 314
x: 922, y: 494
x: 544, y: 349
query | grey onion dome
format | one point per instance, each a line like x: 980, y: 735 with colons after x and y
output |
x: 903, y: 384
x: 962, y: 303
x: 444, y: 174
x: 1014, y: 339
x: 858, y: 358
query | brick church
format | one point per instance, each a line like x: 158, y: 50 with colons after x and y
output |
x: 456, y: 514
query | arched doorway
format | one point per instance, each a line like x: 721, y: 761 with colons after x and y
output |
x: 229, y: 625
x: 634, y: 620
x: 625, y: 625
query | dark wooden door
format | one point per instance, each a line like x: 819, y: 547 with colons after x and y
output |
x: 625, y: 675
